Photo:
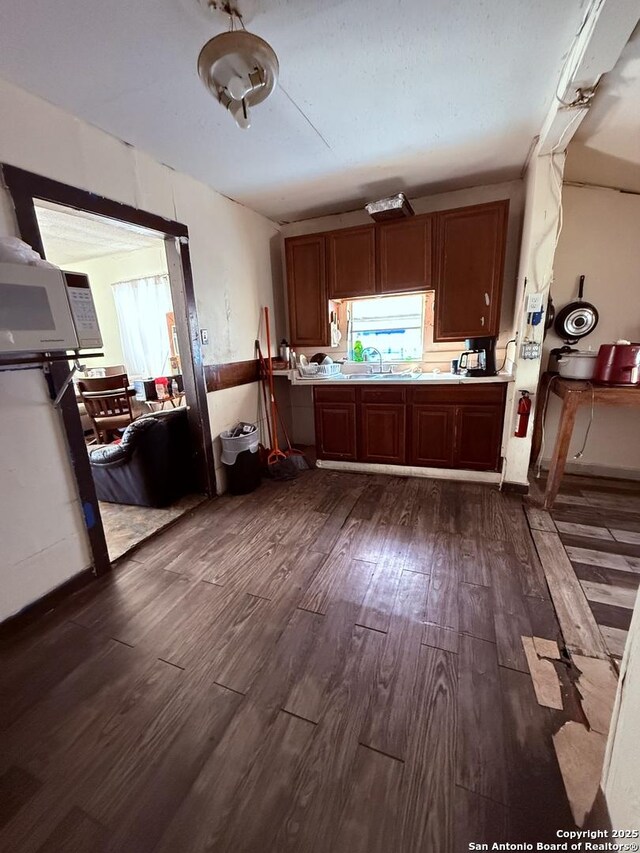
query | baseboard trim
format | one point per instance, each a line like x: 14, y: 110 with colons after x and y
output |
x: 515, y: 488
x: 490, y: 477
x: 591, y: 469
x: 36, y: 609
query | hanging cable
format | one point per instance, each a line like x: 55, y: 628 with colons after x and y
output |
x: 580, y: 453
x: 506, y: 350
x: 545, y: 403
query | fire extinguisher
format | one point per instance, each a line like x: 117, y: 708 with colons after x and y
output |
x: 524, y: 410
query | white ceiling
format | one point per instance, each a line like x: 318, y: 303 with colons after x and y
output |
x: 70, y: 236
x: 375, y: 95
x: 606, y: 148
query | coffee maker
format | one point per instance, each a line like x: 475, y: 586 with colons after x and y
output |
x: 479, y: 357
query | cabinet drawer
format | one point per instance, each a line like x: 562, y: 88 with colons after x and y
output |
x: 490, y: 393
x: 382, y: 395
x: 333, y: 394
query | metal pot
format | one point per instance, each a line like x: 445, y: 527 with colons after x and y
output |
x: 576, y: 319
x: 577, y: 365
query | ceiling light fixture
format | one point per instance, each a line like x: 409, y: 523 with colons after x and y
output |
x: 239, y: 68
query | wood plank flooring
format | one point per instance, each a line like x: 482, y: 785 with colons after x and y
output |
x: 329, y: 664
x: 598, y: 522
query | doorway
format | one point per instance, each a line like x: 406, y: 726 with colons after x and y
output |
x: 128, y: 275
x: 129, y: 256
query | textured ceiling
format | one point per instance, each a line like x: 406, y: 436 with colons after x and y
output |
x: 70, y: 235
x: 374, y: 97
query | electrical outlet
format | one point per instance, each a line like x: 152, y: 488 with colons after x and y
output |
x: 204, y: 336
x: 534, y: 303
x: 530, y: 350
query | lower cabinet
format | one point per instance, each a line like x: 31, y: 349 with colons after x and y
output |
x: 478, y: 435
x: 432, y: 436
x: 446, y: 426
x: 335, y: 417
x: 382, y: 433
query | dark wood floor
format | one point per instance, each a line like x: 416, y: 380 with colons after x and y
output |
x: 598, y: 521
x: 331, y: 664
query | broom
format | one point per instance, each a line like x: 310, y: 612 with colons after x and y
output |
x: 279, y: 465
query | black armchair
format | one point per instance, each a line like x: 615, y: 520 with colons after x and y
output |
x: 152, y: 465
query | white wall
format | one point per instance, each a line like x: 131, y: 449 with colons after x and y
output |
x: 103, y: 273
x: 601, y: 239
x: 621, y: 781
x: 235, y: 258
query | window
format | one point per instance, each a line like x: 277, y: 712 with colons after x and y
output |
x: 142, y: 306
x: 392, y: 324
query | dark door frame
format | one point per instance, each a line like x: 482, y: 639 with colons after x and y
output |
x: 25, y: 188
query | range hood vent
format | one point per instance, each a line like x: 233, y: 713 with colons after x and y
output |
x: 392, y: 207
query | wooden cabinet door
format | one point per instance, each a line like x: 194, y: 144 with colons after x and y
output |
x: 351, y: 262
x: 404, y: 255
x: 478, y: 437
x: 336, y: 431
x: 382, y: 433
x: 307, y: 290
x: 470, y: 248
x: 432, y: 432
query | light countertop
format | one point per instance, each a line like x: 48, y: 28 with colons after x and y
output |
x: 394, y: 379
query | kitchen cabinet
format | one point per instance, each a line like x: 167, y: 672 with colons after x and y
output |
x: 404, y: 255
x: 458, y: 253
x: 382, y: 425
x: 351, y: 270
x: 307, y: 290
x: 432, y: 431
x: 469, y: 265
x: 335, y: 419
x: 478, y: 431
x: 445, y: 426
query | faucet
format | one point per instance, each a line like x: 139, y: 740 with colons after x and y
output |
x: 373, y: 349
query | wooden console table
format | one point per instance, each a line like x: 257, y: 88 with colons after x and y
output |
x: 573, y: 393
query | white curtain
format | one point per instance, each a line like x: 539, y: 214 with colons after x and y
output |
x: 142, y: 306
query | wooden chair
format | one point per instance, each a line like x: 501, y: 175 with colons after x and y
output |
x: 107, y: 400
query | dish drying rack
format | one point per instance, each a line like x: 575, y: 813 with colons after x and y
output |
x: 319, y: 371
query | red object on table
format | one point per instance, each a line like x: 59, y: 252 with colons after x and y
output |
x: 618, y: 364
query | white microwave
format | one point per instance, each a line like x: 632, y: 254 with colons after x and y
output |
x: 46, y: 310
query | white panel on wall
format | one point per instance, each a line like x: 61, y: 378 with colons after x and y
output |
x: 42, y: 532
x: 39, y: 137
x: 107, y: 164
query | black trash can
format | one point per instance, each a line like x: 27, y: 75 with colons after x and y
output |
x: 241, y: 461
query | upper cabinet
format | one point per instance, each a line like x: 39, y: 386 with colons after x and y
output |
x: 404, y: 255
x: 459, y: 253
x: 307, y: 288
x: 351, y: 270
x: 469, y: 264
